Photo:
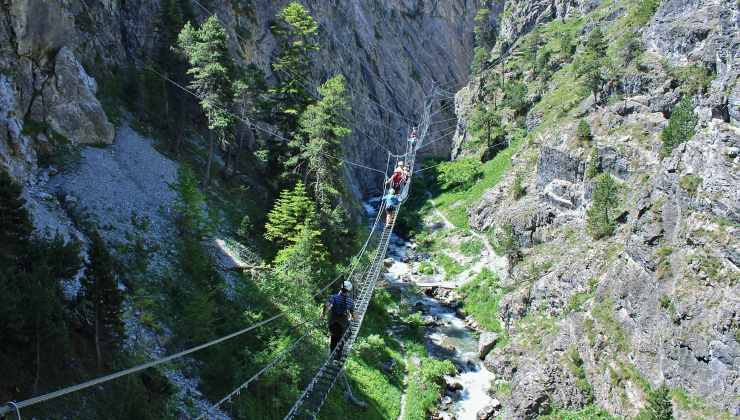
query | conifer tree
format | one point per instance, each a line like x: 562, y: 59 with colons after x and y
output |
x: 485, y: 34
x: 295, y: 31
x: 515, y: 96
x: 599, y: 218
x: 288, y: 215
x: 213, y: 73
x: 15, y: 224
x: 681, y: 126
x: 596, y: 43
x: 594, y: 164
x: 485, y: 122
x: 102, y: 293
x: 323, y: 129
x: 31, y: 303
x: 304, y: 260
x: 593, y: 62
x: 583, y: 132
x: 172, y: 18
x: 659, y: 405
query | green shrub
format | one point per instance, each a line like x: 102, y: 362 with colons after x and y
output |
x: 449, y: 265
x: 575, y: 363
x: 594, y: 164
x: 426, y: 268
x: 517, y: 189
x: 461, y: 173
x: 694, y: 78
x: 506, y: 241
x: 471, y: 247
x: 371, y: 348
x: 424, y: 386
x: 414, y: 322
x: 690, y: 183
x: 589, y: 412
x: 599, y: 218
x: 680, y: 128
x: 481, y: 298
x: 659, y: 405
x: 583, y: 132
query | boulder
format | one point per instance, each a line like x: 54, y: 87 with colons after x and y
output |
x: 486, y: 342
x: 453, y: 384
x: 486, y: 413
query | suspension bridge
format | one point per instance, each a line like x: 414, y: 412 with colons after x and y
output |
x: 364, y: 278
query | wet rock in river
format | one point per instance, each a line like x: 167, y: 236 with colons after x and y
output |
x: 453, y: 384
x: 486, y: 342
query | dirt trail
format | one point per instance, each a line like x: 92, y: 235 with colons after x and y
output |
x: 490, y: 258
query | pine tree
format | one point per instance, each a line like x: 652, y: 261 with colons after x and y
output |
x: 31, y: 303
x: 599, y: 218
x: 583, y: 132
x: 295, y: 31
x: 681, y: 126
x: 594, y: 164
x: 323, y: 128
x: 15, y: 223
x: 596, y: 43
x: 659, y: 405
x: 172, y: 18
x: 304, y: 260
x: 485, y: 34
x: 486, y: 122
x: 515, y: 96
x: 567, y: 46
x: 288, y: 215
x: 102, y: 293
x: 213, y: 73
x: 593, y: 62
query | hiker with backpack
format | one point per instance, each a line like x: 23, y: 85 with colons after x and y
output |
x: 412, y: 137
x: 398, y: 178
x: 392, y: 200
x: 341, y: 309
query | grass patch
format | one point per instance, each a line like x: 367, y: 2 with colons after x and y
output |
x: 690, y: 183
x: 454, y: 203
x: 576, y: 301
x: 575, y: 364
x: 589, y: 412
x: 472, y: 247
x: 451, y: 267
x: 481, y: 299
x: 603, y: 312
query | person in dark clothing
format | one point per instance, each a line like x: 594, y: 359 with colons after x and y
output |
x: 341, y: 310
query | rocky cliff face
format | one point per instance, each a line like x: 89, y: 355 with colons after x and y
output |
x: 657, y: 303
x: 391, y: 51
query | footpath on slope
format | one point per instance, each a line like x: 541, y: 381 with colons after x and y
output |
x: 489, y: 258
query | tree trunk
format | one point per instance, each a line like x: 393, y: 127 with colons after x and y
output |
x: 98, y: 355
x: 38, y: 356
x: 210, y: 159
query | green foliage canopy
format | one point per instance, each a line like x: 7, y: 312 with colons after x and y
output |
x: 460, y: 173
x: 599, y: 218
x: 681, y: 126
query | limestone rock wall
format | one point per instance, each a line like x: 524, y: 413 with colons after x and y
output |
x: 658, y: 301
